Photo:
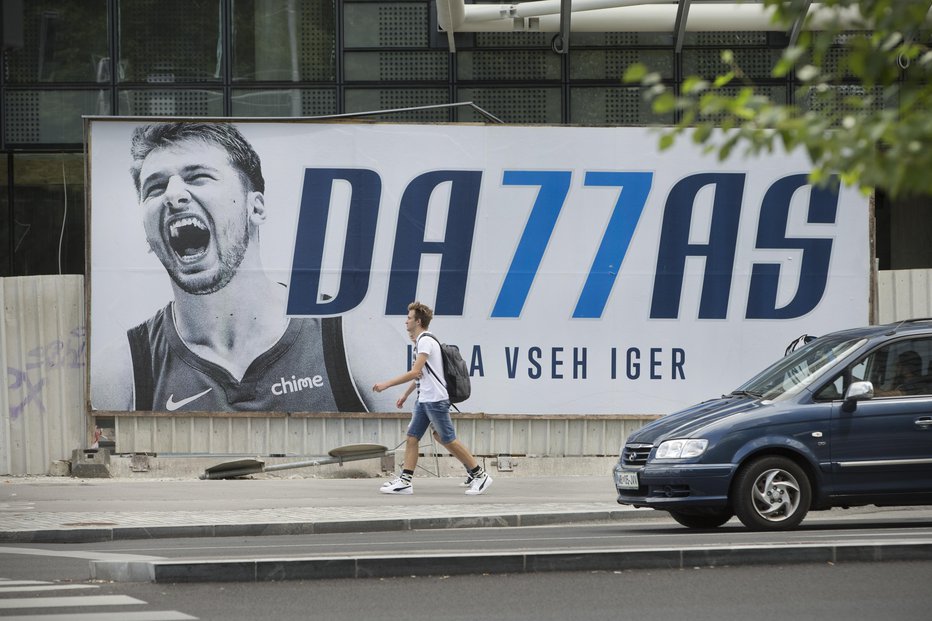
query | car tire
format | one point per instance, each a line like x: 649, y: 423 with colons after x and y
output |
x: 701, y: 520
x: 772, y: 493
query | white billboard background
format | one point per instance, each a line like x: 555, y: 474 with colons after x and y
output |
x: 128, y: 283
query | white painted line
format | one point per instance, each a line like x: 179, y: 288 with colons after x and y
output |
x: 61, y: 602
x: 45, y: 587
x: 89, y: 554
x: 154, y: 615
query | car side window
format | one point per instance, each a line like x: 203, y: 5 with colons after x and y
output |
x: 835, y: 389
x: 901, y: 369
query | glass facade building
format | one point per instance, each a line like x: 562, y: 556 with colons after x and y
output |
x: 63, y: 59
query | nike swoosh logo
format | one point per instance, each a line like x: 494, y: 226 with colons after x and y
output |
x: 171, y: 405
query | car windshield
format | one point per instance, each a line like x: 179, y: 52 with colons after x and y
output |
x: 791, y: 374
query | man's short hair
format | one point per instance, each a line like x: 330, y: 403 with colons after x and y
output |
x: 159, y: 135
x: 422, y: 313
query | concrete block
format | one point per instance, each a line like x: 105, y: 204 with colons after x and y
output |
x: 60, y: 468
x: 90, y: 464
x: 139, y: 463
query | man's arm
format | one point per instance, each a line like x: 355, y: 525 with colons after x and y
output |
x: 415, y: 372
x: 400, y: 403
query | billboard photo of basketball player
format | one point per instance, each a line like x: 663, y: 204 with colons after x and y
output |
x: 224, y: 342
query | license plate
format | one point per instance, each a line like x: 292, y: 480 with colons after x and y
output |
x: 627, y: 480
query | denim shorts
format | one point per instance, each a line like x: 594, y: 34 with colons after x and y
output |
x: 436, y: 413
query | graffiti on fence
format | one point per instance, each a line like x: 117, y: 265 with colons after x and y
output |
x: 26, y: 383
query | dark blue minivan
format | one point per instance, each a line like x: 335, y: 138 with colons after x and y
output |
x: 844, y: 421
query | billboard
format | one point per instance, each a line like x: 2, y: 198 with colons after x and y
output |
x: 579, y: 270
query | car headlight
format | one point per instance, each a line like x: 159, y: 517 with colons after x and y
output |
x: 681, y: 449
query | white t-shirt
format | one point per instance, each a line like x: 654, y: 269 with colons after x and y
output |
x: 430, y: 389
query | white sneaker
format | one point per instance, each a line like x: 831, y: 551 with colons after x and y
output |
x: 479, y: 484
x: 398, y: 486
x: 468, y: 481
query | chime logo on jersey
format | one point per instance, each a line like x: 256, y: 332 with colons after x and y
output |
x: 296, y: 384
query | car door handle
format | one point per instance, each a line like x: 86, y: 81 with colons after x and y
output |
x: 925, y: 422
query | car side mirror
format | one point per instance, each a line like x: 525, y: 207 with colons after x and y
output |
x: 859, y: 391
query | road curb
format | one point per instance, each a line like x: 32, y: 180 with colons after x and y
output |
x: 117, y: 533
x: 345, y: 567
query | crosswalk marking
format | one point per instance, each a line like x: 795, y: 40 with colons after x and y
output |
x: 60, y: 602
x: 23, y: 603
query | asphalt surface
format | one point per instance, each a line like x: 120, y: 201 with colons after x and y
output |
x: 66, y: 510
x: 46, y: 510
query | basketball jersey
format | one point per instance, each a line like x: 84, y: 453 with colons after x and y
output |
x: 294, y: 375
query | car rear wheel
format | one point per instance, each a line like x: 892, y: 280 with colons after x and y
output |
x: 701, y: 520
x: 772, y: 493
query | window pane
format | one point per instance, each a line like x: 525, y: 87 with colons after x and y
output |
x: 385, y: 24
x: 170, y: 41
x: 286, y: 102
x: 63, y: 41
x: 171, y: 103
x: 726, y: 38
x: 508, y: 65
x: 515, y: 39
x: 621, y: 39
x: 511, y: 105
x: 284, y: 40
x: 754, y: 63
x: 367, y: 100
x: 395, y: 66
x: 611, y: 64
x: 48, y: 214
x: 619, y: 105
x: 50, y: 117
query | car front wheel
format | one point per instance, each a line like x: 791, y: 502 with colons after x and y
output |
x: 772, y: 493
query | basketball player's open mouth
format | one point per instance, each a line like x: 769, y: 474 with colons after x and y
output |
x: 189, y: 238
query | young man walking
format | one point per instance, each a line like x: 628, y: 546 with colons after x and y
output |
x: 432, y: 407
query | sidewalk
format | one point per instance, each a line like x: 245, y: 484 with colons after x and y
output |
x: 69, y: 510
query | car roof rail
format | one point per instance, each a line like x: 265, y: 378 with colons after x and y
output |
x: 900, y: 324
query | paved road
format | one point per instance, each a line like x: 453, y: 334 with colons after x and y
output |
x: 131, y: 530
x: 828, y: 592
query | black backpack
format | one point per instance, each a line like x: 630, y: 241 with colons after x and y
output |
x: 455, y: 371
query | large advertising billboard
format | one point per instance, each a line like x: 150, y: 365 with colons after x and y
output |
x: 268, y: 266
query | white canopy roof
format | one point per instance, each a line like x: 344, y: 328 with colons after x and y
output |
x: 673, y: 16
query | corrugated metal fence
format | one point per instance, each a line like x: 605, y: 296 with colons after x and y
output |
x: 42, y: 404
x: 42, y: 347
x: 903, y: 294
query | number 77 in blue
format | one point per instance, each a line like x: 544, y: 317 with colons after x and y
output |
x: 554, y: 186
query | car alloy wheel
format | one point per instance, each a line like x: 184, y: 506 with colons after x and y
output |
x: 772, y: 493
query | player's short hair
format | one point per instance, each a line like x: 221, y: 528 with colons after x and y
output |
x: 225, y: 135
x: 422, y: 313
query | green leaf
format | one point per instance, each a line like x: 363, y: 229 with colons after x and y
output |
x: 694, y: 84
x: 702, y: 133
x: 664, y: 103
x: 722, y: 80
x: 634, y: 73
